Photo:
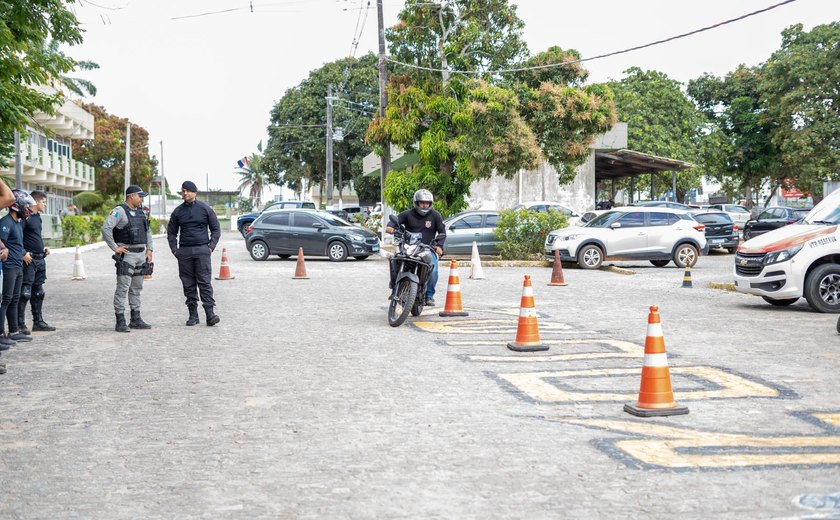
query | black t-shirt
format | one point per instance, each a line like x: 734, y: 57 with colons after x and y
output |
x: 32, y: 240
x: 12, y: 235
x: 431, y: 226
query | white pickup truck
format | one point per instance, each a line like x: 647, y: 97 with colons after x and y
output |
x: 795, y: 261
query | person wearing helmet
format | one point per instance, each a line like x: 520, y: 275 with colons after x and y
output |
x: 11, y: 234
x: 34, y: 268
x: 428, y: 222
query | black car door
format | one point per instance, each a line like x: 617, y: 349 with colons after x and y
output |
x: 276, y: 232
x: 303, y: 234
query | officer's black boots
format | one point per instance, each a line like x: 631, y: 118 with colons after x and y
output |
x: 121, y: 325
x: 39, y: 324
x: 212, y: 317
x: 193, y: 319
x: 137, y: 322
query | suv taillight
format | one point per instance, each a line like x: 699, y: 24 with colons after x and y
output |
x: 700, y: 227
x: 735, y: 228
x: 250, y: 228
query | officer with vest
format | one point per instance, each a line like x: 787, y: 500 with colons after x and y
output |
x: 127, y: 232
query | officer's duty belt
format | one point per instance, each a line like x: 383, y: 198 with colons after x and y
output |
x: 37, y: 255
x: 137, y: 249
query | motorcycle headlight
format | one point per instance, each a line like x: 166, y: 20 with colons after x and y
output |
x: 781, y: 255
x: 411, y: 249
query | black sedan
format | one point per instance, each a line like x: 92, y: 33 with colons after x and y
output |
x: 319, y: 233
x: 772, y: 218
x: 720, y: 230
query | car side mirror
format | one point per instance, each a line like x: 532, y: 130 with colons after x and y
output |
x: 615, y: 225
x: 318, y: 225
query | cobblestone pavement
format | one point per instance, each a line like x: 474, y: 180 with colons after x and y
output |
x: 304, y: 403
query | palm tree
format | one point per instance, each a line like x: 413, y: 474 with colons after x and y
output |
x: 254, y: 177
x: 80, y: 87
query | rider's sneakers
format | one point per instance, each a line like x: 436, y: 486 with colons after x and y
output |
x: 430, y: 302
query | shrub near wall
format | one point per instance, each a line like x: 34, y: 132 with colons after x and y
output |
x: 78, y: 230
x: 521, y: 233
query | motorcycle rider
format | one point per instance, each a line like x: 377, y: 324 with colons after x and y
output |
x: 428, y: 222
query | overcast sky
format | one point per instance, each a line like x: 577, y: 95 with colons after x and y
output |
x: 205, y: 85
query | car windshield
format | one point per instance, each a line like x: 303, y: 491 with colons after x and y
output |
x: 334, y: 221
x: 605, y: 219
x: 712, y: 218
x: 737, y: 209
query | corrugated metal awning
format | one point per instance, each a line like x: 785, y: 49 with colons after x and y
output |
x: 615, y: 164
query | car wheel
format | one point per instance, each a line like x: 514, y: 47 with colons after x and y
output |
x: 732, y: 250
x: 258, y: 250
x: 685, y: 255
x: 244, y: 229
x: 747, y: 235
x: 660, y: 263
x: 780, y: 303
x: 284, y: 256
x: 590, y: 257
x: 337, y: 251
x: 361, y: 257
x: 822, y: 288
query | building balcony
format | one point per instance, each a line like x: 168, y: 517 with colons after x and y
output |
x: 40, y: 166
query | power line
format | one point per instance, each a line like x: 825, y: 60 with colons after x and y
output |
x: 600, y: 56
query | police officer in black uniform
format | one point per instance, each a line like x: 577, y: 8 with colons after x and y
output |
x: 34, y: 268
x: 199, y: 231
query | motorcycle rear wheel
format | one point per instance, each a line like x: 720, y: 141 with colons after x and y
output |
x: 402, y: 303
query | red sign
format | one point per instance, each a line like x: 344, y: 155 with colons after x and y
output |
x: 792, y: 192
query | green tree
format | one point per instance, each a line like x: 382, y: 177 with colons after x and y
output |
x: 26, y: 63
x: 107, y: 152
x: 662, y: 120
x: 800, y: 90
x: 254, y: 176
x: 296, y: 149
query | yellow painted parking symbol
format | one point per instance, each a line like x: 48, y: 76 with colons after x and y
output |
x: 607, y: 349
x: 507, y: 327
x: 574, y: 386
x: 662, y: 446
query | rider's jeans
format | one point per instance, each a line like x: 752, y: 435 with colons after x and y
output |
x: 432, y: 282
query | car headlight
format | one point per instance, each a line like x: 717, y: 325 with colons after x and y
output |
x: 571, y: 237
x: 357, y: 238
x: 781, y: 255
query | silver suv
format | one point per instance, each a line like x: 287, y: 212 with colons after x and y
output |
x: 631, y: 233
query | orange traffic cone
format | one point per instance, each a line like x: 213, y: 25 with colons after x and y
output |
x: 655, y: 395
x: 557, y: 271
x: 224, y: 270
x: 300, y: 268
x: 453, y: 305
x: 527, y: 332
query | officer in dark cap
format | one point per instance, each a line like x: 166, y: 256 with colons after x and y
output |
x: 127, y: 232
x: 193, y: 234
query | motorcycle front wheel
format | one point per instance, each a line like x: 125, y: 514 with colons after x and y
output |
x: 402, y: 303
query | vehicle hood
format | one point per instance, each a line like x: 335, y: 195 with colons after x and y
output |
x: 785, y: 237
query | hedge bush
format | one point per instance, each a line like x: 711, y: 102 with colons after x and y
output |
x: 78, y: 230
x: 521, y: 233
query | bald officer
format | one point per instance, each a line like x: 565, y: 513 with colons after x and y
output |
x: 127, y: 233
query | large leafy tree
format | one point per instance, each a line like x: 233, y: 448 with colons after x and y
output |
x: 800, y: 89
x: 107, y: 152
x: 26, y: 62
x: 296, y: 150
x: 661, y: 121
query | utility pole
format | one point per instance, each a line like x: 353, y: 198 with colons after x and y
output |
x: 162, y: 185
x: 383, y: 102
x: 18, y: 163
x: 127, y: 155
x: 329, y: 146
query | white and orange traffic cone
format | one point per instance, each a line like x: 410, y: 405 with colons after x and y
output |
x: 453, y: 306
x: 476, y: 273
x: 300, y: 267
x: 78, y: 266
x: 224, y: 270
x: 527, y: 331
x: 656, y: 398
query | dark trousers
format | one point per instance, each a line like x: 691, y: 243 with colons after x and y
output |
x: 12, y: 281
x: 195, y: 272
x: 34, y: 276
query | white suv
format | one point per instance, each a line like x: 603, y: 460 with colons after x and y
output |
x: 801, y: 259
x: 631, y: 233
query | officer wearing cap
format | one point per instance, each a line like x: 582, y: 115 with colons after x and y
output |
x: 193, y: 233
x: 127, y: 232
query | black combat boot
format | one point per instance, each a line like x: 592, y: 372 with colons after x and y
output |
x: 193, y: 319
x: 137, y: 322
x: 121, y: 325
x: 212, y: 317
x: 38, y: 324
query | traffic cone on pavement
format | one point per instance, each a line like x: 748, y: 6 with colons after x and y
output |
x: 476, y: 273
x: 527, y: 331
x: 453, y: 305
x: 656, y: 398
x: 224, y: 270
x: 78, y: 266
x: 557, y: 271
x: 687, y: 277
x: 300, y: 268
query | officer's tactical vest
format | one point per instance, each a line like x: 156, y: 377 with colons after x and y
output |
x: 136, y: 230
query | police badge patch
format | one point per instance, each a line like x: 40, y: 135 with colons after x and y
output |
x: 429, y: 224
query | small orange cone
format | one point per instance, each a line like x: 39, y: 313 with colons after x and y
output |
x: 453, y: 305
x: 527, y: 332
x: 557, y: 271
x: 224, y: 270
x: 300, y: 268
x: 656, y: 398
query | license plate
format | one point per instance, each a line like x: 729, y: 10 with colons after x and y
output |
x: 374, y: 248
x: 716, y: 241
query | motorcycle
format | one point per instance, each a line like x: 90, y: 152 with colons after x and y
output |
x: 411, y: 267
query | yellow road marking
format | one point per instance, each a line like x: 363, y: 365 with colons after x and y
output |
x: 491, y: 327
x: 832, y: 418
x: 727, y: 385
x: 621, y: 349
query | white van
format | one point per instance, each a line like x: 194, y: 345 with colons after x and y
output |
x: 795, y: 261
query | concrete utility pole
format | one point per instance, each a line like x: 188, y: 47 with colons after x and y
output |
x: 18, y: 163
x: 383, y: 102
x: 162, y: 185
x: 127, y: 181
x: 329, y: 146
